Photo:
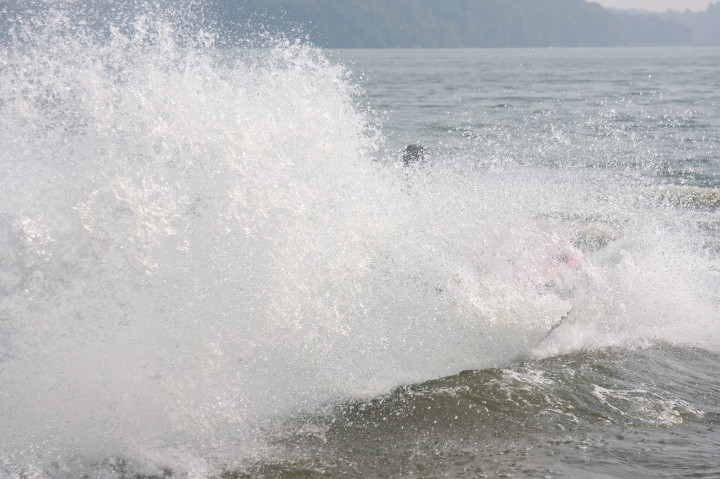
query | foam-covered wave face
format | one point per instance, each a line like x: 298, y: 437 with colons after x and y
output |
x: 196, y: 243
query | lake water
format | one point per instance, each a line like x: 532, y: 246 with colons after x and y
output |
x: 214, y: 263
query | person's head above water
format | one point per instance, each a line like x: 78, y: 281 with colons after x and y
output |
x: 414, y: 154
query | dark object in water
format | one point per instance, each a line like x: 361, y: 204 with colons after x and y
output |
x: 563, y: 320
x: 414, y: 154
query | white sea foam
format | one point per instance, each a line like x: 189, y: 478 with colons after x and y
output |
x: 196, y: 243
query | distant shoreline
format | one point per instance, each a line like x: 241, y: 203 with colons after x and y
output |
x: 402, y: 23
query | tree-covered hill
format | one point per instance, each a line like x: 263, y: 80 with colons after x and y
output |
x: 405, y: 23
x: 705, y: 26
x: 432, y: 23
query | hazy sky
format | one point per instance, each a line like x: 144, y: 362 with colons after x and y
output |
x: 657, y: 5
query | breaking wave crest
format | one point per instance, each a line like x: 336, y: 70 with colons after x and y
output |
x: 198, y: 242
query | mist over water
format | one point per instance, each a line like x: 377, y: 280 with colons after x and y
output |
x: 198, y: 244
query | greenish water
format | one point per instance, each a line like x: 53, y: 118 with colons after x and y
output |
x: 610, y: 413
